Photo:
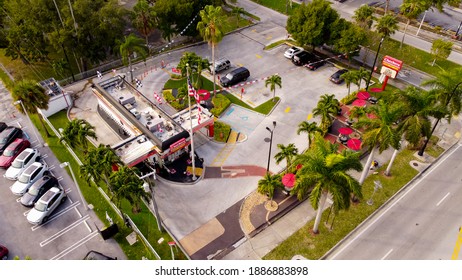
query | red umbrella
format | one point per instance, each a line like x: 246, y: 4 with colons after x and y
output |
x: 364, y: 95
x: 288, y: 180
x: 203, y: 94
x: 359, y: 103
x: 345, y: 130
x: 354, y: 144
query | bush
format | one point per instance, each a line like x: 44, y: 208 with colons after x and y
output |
x: 220, y: 103
x: 349, y: 98
x: 222, y: 131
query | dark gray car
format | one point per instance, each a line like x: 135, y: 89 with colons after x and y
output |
x: 38, y: 189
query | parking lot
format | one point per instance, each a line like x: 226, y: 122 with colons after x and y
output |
x: 71, y: 230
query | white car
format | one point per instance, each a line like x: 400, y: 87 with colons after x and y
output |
x: 21, y: 162
x: 46, y: 205
x: 28, y: 177
x: 292, y: 51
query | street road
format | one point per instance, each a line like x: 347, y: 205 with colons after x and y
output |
x: 421, y: 223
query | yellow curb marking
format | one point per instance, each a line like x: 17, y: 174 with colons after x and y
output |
x: 251, y: 103
x: 269, y: 37
x: 457, y: 134
x: 309, y: 117
x: 455, y: 254
x: 287, y: 110
x: 258, y: 56
x: 240, y: 64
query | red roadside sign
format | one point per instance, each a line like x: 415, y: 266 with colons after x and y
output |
x: 392, y: 63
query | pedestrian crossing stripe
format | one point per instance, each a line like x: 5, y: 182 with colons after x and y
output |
x: 287, y: 110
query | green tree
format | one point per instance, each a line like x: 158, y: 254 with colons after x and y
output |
x: 33, y: 97
x: 411, y: 9
x: 196, y: 65
x: 76, y: 132
x: 325, y: 172
x: 387, y: 25
x: 312, y: 24
x: 238, y: 11
x: 286, y: 153
x: 268, y: 184
x: 364, y: 16
x: 129, y: 47
x: 380, y: 132
x: 350, y: 41
x: 328, y: 107
x: 310, y: 128
x: 363, y: 75
x: 272, y: 82
x: 349, y: 77
x: 211, y: 28
x: 127, y: 185
x: 441, y: 49
x: 144, y: 18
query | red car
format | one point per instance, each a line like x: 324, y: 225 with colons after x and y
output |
x: 12, y: 151
x: 3, y: 253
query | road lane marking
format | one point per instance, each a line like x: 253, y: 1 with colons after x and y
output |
x: 64, y: 230
x: 386, y: 255
x: 75, y: 245
x: 75, y: 204
x: 385, y: 211
x: 438, y: 204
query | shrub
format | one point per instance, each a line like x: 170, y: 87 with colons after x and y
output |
x: 220, y: 103
x: 222, y: 131
x: 349, y: 98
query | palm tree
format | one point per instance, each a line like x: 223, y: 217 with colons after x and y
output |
x: 127, y: 185
x: 211, y: 28
x: 33, y: 97
x: 273, y: 81
x: 325, y: 172
x: 268, y: 184
x: 350, y: 77
x: 129, y: 47
x: 364, y: 16
x: 238, y: 11
x: 381, y: 132
x: 386, y: 25
x: 411, y: 9
x: 327, y: 107
x: 363, y: 75
x: 144, y: 18
x: 287, y: 153
x: 310, y: 128
x: 98, y: 165
x: 76, y: 132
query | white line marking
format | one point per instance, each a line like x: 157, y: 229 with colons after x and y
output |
x: 60, y: 178
x: 394, y: 203
x: 386, y: 255
x: 438, y: 204
x: 27, y: 212
x: 75, y: 245
x: 64, y: 230
x: 75, y: 204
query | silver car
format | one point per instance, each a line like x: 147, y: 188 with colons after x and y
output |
x: 46, y: 205
x: 29, y: 176
x: 21, y: 162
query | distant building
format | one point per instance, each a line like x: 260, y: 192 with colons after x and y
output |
x: 150, y: 132
x: 59, y: 99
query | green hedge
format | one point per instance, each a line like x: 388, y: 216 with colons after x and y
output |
x: 222, y: 131
x: 220, y: 104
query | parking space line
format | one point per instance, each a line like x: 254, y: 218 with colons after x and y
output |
x: 438, y: 204
x: 27, y: 212
x: 75, y: 204
x: 51, y: 167
x: 64, y: 230
x: 75, y: 245
x: 386, y: 255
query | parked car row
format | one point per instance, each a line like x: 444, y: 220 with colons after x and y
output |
x: 300, y: 57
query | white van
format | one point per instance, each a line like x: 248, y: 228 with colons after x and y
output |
x: 220, y: 65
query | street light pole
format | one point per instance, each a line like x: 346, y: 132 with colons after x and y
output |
x: 421, y: 152
x: 27, y: 115
x: 64, y: 164
x: 373, y: 65
x: 271, y: 142
x: 377, y: 186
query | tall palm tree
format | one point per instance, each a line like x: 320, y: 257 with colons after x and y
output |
x: 364, y: 16
x: 381, y: 132
x: 127, y: 185
x: 268, y: 184
x: 449, y: 94
x: 287, y: 153
x: 273, y: 81
x: 387, y: 25
x: 325, y: 172
x: 363, y: 75
x: 309, y: 128
x: 211, y: 28
x: 76, y: 132
x: 411, y: 9
x: 144, y: 18
x: 327, y: 107
x: 350, y: 77
x: 238, y: 11
x: 33, y: 97
x: 129, y: 47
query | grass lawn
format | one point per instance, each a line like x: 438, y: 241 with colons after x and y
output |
x: 313, y: 247
x: 264, y: 108
x: 144, y: 220
x: 278, y: 5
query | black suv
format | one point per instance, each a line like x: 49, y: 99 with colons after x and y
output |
x: 2, y: 126
x: 8, y: 135
x: 37, y: 189
x: 302, y: 58
x: 315, y: 63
